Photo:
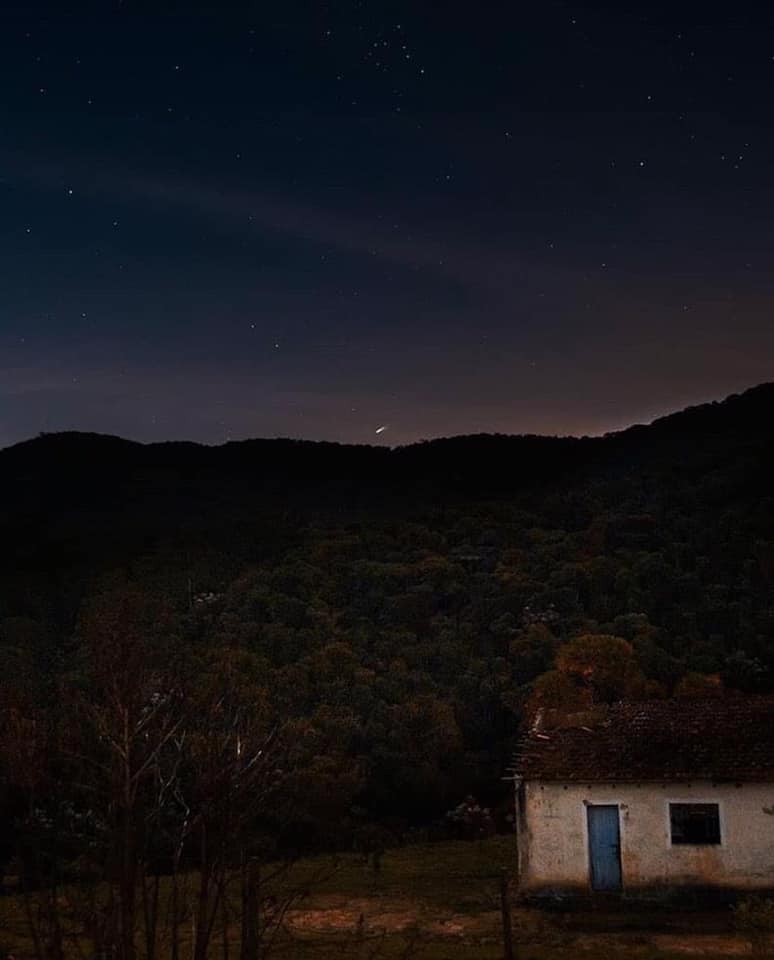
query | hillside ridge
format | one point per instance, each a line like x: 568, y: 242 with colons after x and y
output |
x: 756, y: 399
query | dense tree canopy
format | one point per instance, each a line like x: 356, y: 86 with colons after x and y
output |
x: 400, y: 611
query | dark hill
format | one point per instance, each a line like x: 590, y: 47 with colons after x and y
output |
x: 478, y: 463
x: 77, y: 505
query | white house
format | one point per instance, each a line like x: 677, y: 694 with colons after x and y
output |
x: 649, y: 796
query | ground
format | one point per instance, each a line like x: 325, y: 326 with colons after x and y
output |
x: 441, y: 902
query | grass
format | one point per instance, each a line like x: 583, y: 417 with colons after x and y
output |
x: 462, y: 877
x: 427, y: 902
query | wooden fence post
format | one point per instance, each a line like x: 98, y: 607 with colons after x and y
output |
x: 505, y: 908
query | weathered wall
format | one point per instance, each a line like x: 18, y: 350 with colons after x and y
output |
x: 554, y: 843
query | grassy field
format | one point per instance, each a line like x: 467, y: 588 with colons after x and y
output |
x: 437, y: 902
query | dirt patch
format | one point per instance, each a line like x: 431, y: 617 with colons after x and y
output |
x: 702, y: 945
x: 336, y: 914
x: 465, y: 925
x: 345, y: 914
x: 386, y: 915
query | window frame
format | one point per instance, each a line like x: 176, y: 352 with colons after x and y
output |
x: 696, y: 802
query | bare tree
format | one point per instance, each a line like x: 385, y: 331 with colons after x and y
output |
x: 160, y: 757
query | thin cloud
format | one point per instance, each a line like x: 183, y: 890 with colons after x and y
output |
x: 467, y: 263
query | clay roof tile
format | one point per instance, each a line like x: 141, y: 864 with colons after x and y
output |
x: 655, y: 740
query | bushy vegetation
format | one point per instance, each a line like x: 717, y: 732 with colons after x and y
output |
x: 377, y: 623
x: 754, y: 919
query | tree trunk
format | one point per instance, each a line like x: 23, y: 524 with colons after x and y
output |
x: 128, y: 867
x: 33, y: 925
x: 175, y: 946
x: 203, y: 903
x: 211, y: 882
x: 505, y: 908
x: 251, y: 885
x: 54, y: 947
x: 150, y: 905
x: 224, y: 922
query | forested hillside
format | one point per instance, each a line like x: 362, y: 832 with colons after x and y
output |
x: 400, y: 606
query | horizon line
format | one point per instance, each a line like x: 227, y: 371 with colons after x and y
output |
x: 381, y: 446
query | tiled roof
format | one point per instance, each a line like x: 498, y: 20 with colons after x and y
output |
x: 655, y: 740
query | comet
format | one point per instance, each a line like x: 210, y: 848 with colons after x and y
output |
x: 382, y: 429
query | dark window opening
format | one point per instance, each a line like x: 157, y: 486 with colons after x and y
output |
x: 694, y: 822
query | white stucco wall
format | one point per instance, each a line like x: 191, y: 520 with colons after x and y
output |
x: 554, y: 842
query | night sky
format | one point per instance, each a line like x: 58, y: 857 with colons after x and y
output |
x: 375, y: 222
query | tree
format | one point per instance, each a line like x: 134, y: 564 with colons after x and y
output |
x: 699, y: 686
x: 606, y: 665
x: 589, y: 669
x: 127, y: 707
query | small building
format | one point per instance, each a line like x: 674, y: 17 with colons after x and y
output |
x: 648, y: 797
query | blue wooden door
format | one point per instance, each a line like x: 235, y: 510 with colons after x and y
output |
x: 604, y: 847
